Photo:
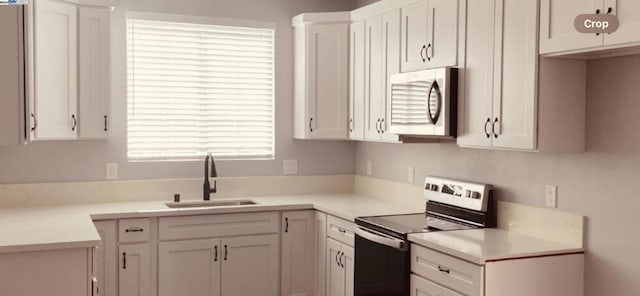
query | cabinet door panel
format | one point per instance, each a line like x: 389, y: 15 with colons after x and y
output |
x: 422, y: 287
x: 391, y: 65
x: 95, y: 75
x: 557, y: 33
x: 106, y: 258
x: 135, y: 270
x: 374, y: 77
x: 321, y: 253
x: 189, y: 268
x: 628, y: 13
x: 515, y: 76
x: 414, y: 36
x: 348, y: 267
x: 55, y: 41
x: 476, y: 78
x: 11, y: 80
x: 357, y: 78
x: 335, y: 273
x: 442, y: 33
x: 328, y: 57
x: 254, y: 259
x: 298, y: 253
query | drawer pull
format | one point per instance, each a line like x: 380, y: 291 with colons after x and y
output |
x: 134, y: 229
x: 124, y: 260
x: 443, y: 269
x: 215, y: 250
x: 342, y: 230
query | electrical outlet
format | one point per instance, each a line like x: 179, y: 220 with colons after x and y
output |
x: 552, y: 196
x: 369, y: 167
x: 290, y: 167
x: 112, y: 171
x: 411, y: 174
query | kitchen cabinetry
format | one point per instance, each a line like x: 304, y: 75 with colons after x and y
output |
x: 390, y: 66
x: 357, y: 81
x: 438, y: 274
x: 134, y: 276
x: 558, y: 35
x: 201, y: 258
x: 374, y: 77
x: 321, y: 90
x: 320, y: 253
x: 252, y: 257
x: 105, y: 256
x: 340, y: 268
x: 298, y: 253
x: 11, y: 76
x: 69, y: 65
x: 429, y: 34
x: 503, y: 104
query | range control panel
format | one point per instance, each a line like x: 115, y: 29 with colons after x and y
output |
x: 469, y: 195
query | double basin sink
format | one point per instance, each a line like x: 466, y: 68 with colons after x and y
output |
x: 210, y: 203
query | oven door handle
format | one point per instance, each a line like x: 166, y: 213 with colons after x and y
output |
x: 381, y: 238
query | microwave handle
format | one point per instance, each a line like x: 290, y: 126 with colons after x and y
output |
x: 381, y: 238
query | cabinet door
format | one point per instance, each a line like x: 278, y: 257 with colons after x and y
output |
x: 557, y: 33
x: 106, y: 258
x: 95, y: 75
x: 374, y: 77
x: 135, y: 270
x: 327, y: 101
x: 447, y: 292
x: 189, y: 268
x: 476, y: 77
x: 11, y: 75
x: 628, y: 13
x: 515, y: 75
x: 298, y: 253
x: 390, y: 66
x: 55, y: 35
x: 442, y: 33
x: 348, y: 262
x: 250, y: 265
x: 423, y: 287
x: 335, y: 272
x: 356, y: 81
x: 321, y: 253
x: 414, y: 36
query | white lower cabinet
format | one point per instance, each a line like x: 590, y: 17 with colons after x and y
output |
x: 321, y: 254
x: 105, y: 258
x: 189, y: 268
x: 250, y: 265
x: 135, y: 270
x: 339, y: 268
x: 298, y: 253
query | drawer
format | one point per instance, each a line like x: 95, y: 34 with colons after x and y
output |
x: 189, y: 227
x: 451, y: 272
x: 341, y: 230
x: 134, y: 230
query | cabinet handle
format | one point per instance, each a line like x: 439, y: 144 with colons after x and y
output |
x: 215, y: 253
x: 351, y: 125
x: 124, y: 260
x: 382, y: 129
x: 597, y: 12
x: 493, y: 128
x: 310, y: 124
x: 340, y: 229
x: 422, y: 53
x: 485, y: 127
x: 75, y: 122
x: 105, y: 123
x: 427, y: 52
x: 378, y: 126
x: 134, y: 229
x: 286, y: 224
x: 443, y: 269
x: 337, y: 262
x: 226, y: 252
x: 341, y: 261
x: 35, y: 122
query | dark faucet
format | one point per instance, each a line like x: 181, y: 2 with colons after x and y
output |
x: 213, y: 174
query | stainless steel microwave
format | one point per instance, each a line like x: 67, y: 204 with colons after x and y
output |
x: 424, y: 103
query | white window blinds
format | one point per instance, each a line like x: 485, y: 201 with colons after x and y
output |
x: 196, y: 88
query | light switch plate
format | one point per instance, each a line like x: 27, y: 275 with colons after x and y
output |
x: 411, y: 175
x: 112, y: 171
x: 290, y: 167
x: 369, y: 167
x: 552, y: 196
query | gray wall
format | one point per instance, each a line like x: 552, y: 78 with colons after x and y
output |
x: 85, y: 160
x: 600, y: 184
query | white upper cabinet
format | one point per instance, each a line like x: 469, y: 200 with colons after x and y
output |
x: 11, y: 76
x: 321, y: 76
x: 56, y: 65
x: 95, y: 74
x: 429, y: 34
x: 558, y: 35
x: 374, y: 77
x: 356, y: 80
x: 390, y: 66
x: 70, y: 83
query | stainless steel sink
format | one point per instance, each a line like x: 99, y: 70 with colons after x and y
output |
x: 210, y: 203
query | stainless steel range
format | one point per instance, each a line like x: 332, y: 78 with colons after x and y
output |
x: 382, y: 256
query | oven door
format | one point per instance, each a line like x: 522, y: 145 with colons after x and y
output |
x: 382, y: 264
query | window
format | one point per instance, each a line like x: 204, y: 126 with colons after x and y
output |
x: 196, y: 87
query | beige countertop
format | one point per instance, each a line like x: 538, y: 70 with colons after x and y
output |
x: 480, y: 246
x: 71, y: 226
